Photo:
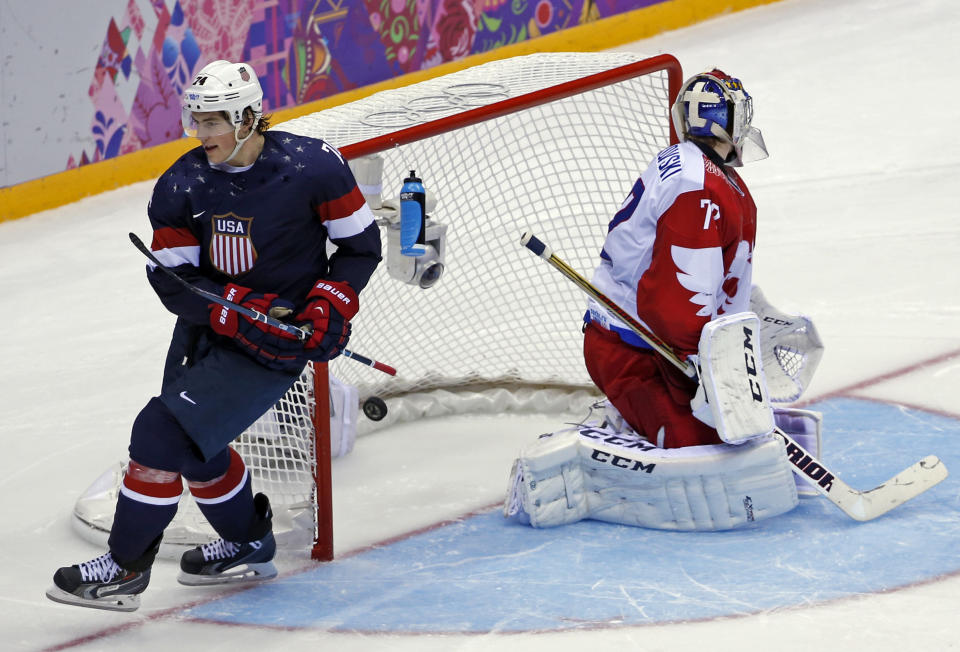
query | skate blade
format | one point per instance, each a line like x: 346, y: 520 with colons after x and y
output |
x: 109, y: 603
x: 240, y: 574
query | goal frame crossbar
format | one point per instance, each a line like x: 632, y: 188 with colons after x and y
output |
x: 661, y: 63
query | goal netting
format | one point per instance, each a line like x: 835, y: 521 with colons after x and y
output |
x: 551, y: 142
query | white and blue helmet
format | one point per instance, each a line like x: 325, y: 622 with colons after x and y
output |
x: 223, y: 86
x: 715, y: 105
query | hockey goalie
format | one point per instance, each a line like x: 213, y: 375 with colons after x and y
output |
x: 668, y: 451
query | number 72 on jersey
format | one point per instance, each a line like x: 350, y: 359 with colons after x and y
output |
x: 713, y: 212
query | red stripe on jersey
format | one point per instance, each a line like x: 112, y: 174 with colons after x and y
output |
x: 342, y: 206
x: 224, y: 484
x: 169, y: 237
x: 152, y: 482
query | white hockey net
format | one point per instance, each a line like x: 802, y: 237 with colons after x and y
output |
x: 552, y: 142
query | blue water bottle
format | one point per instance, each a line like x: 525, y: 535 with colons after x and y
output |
x: 413, y: 216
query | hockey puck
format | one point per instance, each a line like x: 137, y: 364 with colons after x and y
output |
x: 374, y: 408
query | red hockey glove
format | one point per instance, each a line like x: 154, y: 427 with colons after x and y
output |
x: 269, y: 346
x: 329, y: 312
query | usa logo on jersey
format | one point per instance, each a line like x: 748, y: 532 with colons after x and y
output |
x: 231, y: 248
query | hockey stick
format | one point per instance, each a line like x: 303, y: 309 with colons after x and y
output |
x: 859, y: 505
x: 537, y: 246
x: 255, y: 315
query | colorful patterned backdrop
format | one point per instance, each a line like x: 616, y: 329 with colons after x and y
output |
x: 303, y: 50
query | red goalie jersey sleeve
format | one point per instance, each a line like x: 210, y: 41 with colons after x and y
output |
x: 678, y: 253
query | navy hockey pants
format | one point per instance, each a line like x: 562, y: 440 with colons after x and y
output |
x: 213, y: 391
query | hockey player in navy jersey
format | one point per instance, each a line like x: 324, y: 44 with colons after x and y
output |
x: 677, y: 254
x: 246, y: 215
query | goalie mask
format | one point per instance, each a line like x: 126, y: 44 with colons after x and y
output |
x: 715, y: 105
x: 227, y: 87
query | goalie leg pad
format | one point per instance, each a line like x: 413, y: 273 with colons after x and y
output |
x: 573, y: 475
x: 546, y: 486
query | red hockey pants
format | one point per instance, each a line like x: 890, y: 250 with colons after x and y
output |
x: 645, y: 390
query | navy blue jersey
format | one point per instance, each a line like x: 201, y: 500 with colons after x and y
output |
x: 265, y: 227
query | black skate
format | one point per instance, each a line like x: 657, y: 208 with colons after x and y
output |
x: 99, y: 583
x: 226, y: 562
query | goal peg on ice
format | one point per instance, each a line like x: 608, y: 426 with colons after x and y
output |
x: 249, y: 312
x: 859, y: 505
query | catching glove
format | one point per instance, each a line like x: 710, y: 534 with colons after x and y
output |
x: 269, y: 346
x: 331, y: 307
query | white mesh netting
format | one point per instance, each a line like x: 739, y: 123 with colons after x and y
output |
x: 498, y: 317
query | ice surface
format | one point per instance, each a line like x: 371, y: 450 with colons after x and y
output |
x: 858, y: 228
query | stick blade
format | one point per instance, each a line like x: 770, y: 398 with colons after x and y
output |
x: 909, y: 483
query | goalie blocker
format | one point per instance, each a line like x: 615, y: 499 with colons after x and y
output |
x: 733, y: 396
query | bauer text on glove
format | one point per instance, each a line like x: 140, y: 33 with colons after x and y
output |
x: 331, y: 305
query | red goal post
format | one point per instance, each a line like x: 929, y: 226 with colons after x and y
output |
x: 553, y: 141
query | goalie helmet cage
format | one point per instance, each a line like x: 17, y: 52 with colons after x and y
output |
x: 551, y: 141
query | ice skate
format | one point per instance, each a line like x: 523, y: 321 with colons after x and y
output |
x: 100, y: 584
x: 225, y: 562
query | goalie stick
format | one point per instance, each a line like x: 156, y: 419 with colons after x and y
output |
x: 859, y: 505
x: 296, y: 331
